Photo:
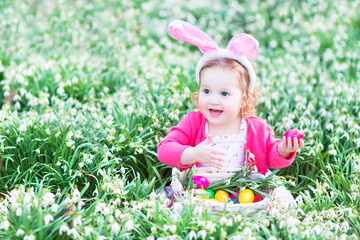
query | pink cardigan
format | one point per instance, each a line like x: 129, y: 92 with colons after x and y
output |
x: 261, y: 144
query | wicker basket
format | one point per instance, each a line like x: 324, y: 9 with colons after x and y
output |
x: 213, y: 174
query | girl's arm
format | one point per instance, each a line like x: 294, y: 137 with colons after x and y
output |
x: 277, y: 157
x: 203, y: 153
x: 178, y: 148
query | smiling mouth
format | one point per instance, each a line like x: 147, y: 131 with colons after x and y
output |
x: 215, y: 111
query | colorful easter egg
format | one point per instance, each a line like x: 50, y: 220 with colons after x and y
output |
x: 222, y: 196
x: 211, y: 193
x: 294, y: 133
x: 233, y: 196
x: 200, y: 182
x: 246, y: 196
x: 258, y: 198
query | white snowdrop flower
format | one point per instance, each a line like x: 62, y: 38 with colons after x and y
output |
x: 223, y: 220
x: 48, y: 218
x: 74, y: 233
x: 154, y: 229
x: 192, y: 235
x: 74, y: 80
x: 29, y: 237
x: 332, y: 152
x: 238, y: 218
x: 17, y: 106
x: 58, y: 77
x: 60, y: 91
x: 54, y: 207
x: 26, y: 199
x: 211, y: 227
x: 329, y: 127
x: 88, y: 231
x: 317, y: 229
x: 122, y: 138
x: 173, y: 229
x: 95, y: 193
x: 99, y: 207
x: 292, y: 221
x: 299, y: 200
x: 64, y: 229
x: 202, y: 234
x: 77, y: 221
x: 110, y: 138
x: 345, y: 226
x: 129, y: 225
x: 80, y: 205
x: 227, y: 182
x: 37, y: 151
x: 18, y: 212
x: 319, y: 147
x: 247, y: 231
x: 115, y: 228
x: 47, y: 131
x: 266, y: 222
x: 70, y: 143
x: 67, y: 200
x: 223, y: 234
x: 20, y: 232
x: 23, y: 92
x: 5, y: 225
x: 345, y: 236
x: 22, y: 127
x: 198, y: 210
x: 76, y: 194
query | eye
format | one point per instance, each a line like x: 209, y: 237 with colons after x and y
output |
x: 206, y: 91
x: 225, y: 94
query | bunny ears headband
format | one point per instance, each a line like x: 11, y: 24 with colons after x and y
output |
x: 241, y: 47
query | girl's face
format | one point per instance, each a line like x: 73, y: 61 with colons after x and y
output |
x: 220, y: 97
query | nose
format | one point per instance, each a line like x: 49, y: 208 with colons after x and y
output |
x: 214, y: 100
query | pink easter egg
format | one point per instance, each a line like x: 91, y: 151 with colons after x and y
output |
x: 200, y: 182
x: 232, y: 196
x: 292, y: 133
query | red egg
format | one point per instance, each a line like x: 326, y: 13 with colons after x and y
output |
x: 294, y: 133
x: 258, y: 198
x: 200, y: 182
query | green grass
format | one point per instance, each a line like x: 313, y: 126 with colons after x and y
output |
x: 89, y: 88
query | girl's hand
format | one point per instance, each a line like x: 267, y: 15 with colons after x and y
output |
x: 203, y: 153
x: 287, y: 147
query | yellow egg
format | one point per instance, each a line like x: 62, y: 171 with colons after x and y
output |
x: 222, y: 196
x: 246, y: 196
x: 201, y: 193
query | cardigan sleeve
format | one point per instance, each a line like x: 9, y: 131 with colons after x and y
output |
x: 274, y: 159
x: 169, y: 150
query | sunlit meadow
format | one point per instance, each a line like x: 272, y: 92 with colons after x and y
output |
x: 88, y: 89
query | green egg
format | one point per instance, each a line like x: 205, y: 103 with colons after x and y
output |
x: 210, y: 192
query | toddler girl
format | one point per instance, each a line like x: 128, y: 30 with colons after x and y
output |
x: 224, y: 133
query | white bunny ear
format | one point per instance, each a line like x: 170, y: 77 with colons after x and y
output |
x: 244, y: 44
x: 186, y: 32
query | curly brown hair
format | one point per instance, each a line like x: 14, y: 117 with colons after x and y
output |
x: 249, y: 104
